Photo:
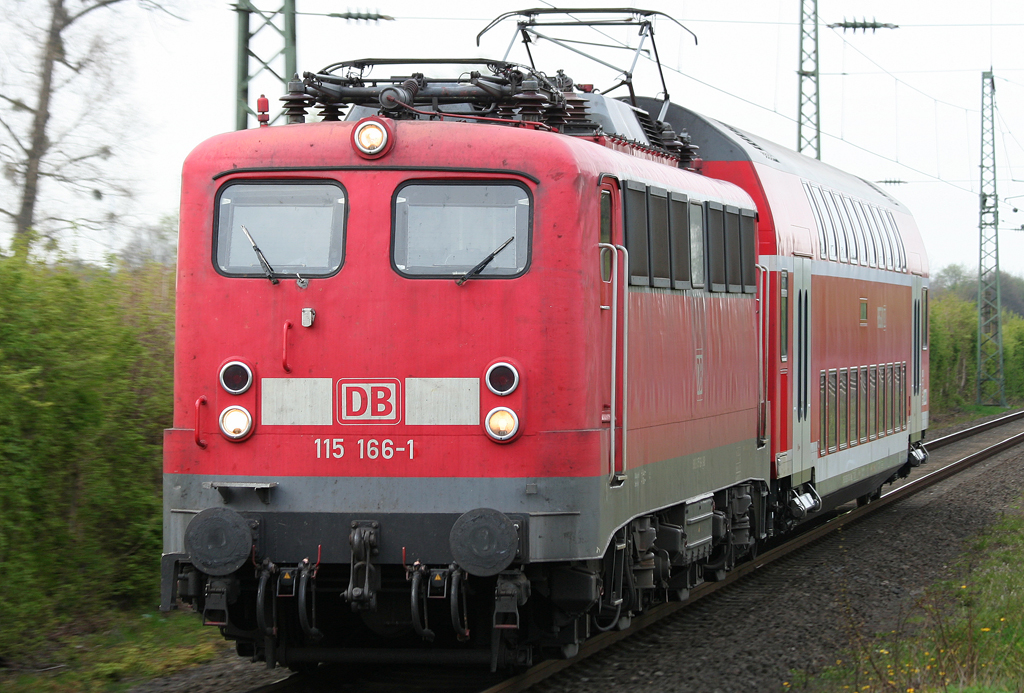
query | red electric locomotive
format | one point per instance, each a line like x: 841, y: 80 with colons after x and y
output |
x: 494, y: 362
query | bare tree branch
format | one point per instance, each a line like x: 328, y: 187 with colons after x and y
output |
x: 86, y: 10
x: 18, y: 105
x: 14, y: 136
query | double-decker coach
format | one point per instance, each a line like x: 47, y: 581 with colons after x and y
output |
x: 847, y: 350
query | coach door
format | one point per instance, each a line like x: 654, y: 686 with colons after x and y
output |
x: 918, y: 341
x: 800, y: 300
x: 614, y: 308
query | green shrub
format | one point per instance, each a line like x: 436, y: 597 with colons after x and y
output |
x: 85, y: 392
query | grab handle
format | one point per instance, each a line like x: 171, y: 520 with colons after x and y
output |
x: 284, y: 346
x: 199, y: 403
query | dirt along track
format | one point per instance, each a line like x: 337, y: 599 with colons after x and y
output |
x: 796, y: 613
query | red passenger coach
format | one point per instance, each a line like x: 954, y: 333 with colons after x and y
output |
x: 491, y: 363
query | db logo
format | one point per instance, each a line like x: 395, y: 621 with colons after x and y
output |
x: 369, y: 401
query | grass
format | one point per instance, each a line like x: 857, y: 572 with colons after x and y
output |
x: 967, y: 413
x: 127, y: 648
x: 965, y: 635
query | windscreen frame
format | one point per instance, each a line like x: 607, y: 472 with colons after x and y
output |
x: 337, y: 245
x: 439, y: 182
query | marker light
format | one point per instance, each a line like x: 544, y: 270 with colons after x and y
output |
x: 235, y: 422
x: 502, y: 379
x: 371, y: 138
x: 501, y: 423
x: 236, y: 377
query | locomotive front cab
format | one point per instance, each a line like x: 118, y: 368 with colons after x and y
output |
x: 361, y: 432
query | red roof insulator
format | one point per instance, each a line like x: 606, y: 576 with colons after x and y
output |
x: 263, y: 111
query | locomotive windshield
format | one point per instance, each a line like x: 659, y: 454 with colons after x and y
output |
x: 447, y: 230
x: 298, y: 226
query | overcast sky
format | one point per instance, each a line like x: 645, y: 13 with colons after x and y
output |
x: 900, y: 104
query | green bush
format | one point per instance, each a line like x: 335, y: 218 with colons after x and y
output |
x: 85, y: 392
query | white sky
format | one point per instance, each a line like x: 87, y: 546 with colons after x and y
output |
x: 897, y: 104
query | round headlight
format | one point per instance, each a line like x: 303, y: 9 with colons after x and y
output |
x: 502, y: 379
x: 235, y: 422
x: 236, y: 377
x: 371, y: 137
x: 501, y: 423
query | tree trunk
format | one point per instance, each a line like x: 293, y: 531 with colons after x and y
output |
x: 39, y: 144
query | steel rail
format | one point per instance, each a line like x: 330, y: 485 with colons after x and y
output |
x: 548, y: 668
x: 973, y: 430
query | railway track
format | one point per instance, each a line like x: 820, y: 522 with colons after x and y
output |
x: 989, y: 438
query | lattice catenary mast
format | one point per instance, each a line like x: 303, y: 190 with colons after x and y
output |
x: 808, y: 125
x: 282, y: 23
x: 991, y: 383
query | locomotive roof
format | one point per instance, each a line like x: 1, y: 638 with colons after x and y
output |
x: 484, y: 90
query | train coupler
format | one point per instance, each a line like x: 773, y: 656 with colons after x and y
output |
x: 511, y: 592
x: 218, y: 594
x: 364, y: 578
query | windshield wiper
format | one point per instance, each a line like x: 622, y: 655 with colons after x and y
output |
x: 259, y: 254
x: 483, y: 263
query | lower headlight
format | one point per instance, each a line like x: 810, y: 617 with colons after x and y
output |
x: 501, y: 423
x: 235, y: 422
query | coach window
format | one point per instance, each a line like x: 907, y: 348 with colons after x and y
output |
x: 887, y: 250
x: 833, y: 402
x: 903, y: 397
x: 881, y: 401
x: 830, y: 229
x: 872, y: 402
x: 830, y: 205
x: 883, y: 225
x: 869, y: 239
x: 822, y: 415
x: 733, y: 251
x: 858, y: 231
x: 844, y: 421
x: 716, y: 246
x: 822, y: 243
x: 876, y: 235
x: 748, y: 248
x: 636, y: 234
x: 851, y: 235
x: 697, y: 245
x: 661, y: 257
x: 889, y: 220
x: 889, y: 398
x: 854, y: 403
x: 679, y: 233
x: 299, y: 227
x: 445, y: 230
x: 784, y: 315
x: 900, y: 389
x: 862, y: 407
